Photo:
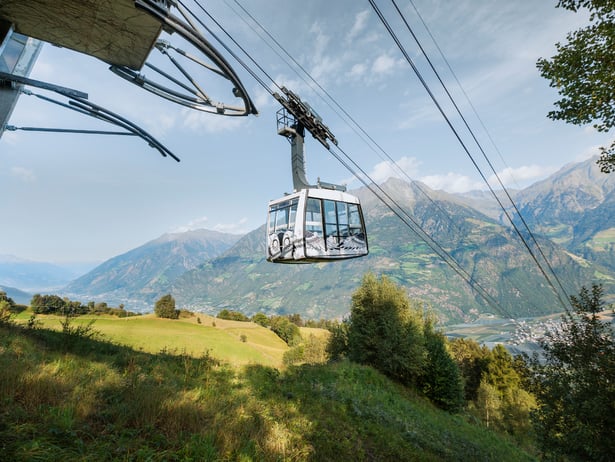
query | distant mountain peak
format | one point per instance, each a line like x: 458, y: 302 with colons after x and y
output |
x: 4, y: 258
x: 201, y: 233
x: 153, y: 266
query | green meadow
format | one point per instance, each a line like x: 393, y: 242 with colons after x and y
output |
x: 220, y: 338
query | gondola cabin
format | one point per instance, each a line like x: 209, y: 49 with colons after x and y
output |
x: 315, y: 225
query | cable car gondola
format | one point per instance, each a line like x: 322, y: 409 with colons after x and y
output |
x: 315, y: 223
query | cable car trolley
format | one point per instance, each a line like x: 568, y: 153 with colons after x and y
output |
x: 315, y: 223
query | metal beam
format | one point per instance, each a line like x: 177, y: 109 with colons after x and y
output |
x: 17, y: 56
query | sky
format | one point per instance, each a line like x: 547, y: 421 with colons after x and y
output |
x: 85, y: 198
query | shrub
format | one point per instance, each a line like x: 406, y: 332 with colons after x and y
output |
x: 260, y: 319
x: 286, y: 330
x: 232, y: 315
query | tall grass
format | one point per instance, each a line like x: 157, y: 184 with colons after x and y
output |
x: 91, y: 400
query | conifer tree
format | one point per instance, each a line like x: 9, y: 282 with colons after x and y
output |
x: 385, y: 332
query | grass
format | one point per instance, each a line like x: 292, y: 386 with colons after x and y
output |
x: 67, y: 398
x: 151, y: 334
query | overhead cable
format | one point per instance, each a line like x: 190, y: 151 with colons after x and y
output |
x: 463, y: 145
x: 379, y: 193
x: 489, y: 163
x: 335, y: 106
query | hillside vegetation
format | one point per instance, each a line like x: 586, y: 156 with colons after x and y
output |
x: 67, y: 396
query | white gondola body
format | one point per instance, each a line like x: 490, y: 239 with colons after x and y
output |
x: 314, y: 225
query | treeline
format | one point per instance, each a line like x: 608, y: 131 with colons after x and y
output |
x: 8, y: 305
x: 54, y: 304
x: 286, y: 326
x: 264, y: 320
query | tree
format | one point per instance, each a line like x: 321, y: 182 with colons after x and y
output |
x: 514, y: 404
x: 261, y: 319
x: 286, y: 330
x: 47, y: 304
x: 337, y: 347
x: 6, y: 307
x: 385, y: 331
x: 441, y: 380
x: 231, y: 315
x: 165, y: 307
x: 575, y: 384
x: 583, y: 71
x: 5, y: 298
x: 472, y: 360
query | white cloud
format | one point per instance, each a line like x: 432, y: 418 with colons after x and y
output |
x: 261, y: 98
x: 518, y: 177
x: 521, y: 176
x: 588, y: 153
x: 358, y: 27
x: 209, y: 123
x: 197, y: 223
x: 320, y: 42
x: 358, y: 70
x: 239, y: 227
x: 160, y: 123
x: 451, y: 182
x: 23, y: 174
x: 383, y: 64
x: 386, y: 169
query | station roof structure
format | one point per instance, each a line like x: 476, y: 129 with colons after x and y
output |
x: 114, y: 31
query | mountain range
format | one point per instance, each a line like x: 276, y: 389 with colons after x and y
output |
x: 137, y: 276
x: 569, y: 213
x: 34, y: 276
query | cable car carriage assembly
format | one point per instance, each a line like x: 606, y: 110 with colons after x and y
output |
x: 315, y: 223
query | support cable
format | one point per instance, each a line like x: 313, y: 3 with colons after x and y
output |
x: 450, y: 69
x: 459, y: 139
x: 489, y: 163
x: 400, y: 212
x: 414, y: 226
x: 337, y: 107
x: 231, y: 52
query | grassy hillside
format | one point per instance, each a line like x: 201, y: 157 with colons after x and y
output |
x: 70, y: 398
x: 219, y: 338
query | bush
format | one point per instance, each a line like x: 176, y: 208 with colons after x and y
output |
x: 232, y: 315
x: 5, y: 312
x: 260, y: 319
x: 286, y: 330
x: 337, y: 347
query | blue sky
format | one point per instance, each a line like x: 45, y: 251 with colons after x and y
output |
x: 68, y: 198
